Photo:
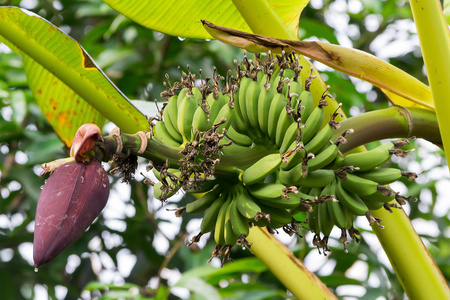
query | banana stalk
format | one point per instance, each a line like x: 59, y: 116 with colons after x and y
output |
x: 392, y: 122
x: 286, y: 267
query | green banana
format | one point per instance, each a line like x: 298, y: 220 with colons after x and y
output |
x: 379, y: 197
x: 161, y: 134
x: 170, y: 119
x: 295, y: 158
x: 293, y: 176
x: 307, y: 101
x: 210, y: 218
x: 262, y: 168
x: 239, y: 223
x: 219, y: 228
x: 227, y: 113
x: 264, y: 101
x: 382, y: 175
x: 247, y: 205
x: 251, y: 103
x: 238, y: 138
x: 200, y: 121
x: 359, y: 185
x: 313, y: 124
x: 272, y: 194
x: 278, y: 216
x: 204, y: 201
x: 289, y: 137
x: 215, y: 105
x: 284, y: 121
x: 338, y: 213
x: 313, y: 219
x: 352, y: 202
x: 266, y: 191
x: 186, y: 111
x: 230, y: 236
x: 372, y: 205
x: 245, y: 84
x: 369, y: 160
x: 320, y: 140
x: 278, y: 104
x: 325, y: 157
x: 318, y: 178
x: 325, y: 222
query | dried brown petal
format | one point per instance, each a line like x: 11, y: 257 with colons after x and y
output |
x: 73, y: 196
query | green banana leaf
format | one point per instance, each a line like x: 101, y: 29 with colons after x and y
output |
x: 182, y: 18
x: 68, y: 86
x: 401, y: 88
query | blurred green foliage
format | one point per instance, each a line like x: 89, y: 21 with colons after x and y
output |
x: 137, y: 60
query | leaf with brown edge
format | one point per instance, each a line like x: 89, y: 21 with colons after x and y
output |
x: 66, y: 83
x: 400, y: 87
x: 73, y: 196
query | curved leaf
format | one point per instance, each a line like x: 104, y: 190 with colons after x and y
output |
x: 182, y: 18
x: 408, y: 90
x: 68, y: 86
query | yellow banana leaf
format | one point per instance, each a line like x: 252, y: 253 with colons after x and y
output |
x: 66, y: 83
x: 400, y: 87
x: 182, y: 18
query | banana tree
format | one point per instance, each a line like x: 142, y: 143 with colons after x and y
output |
x: 77, y: 79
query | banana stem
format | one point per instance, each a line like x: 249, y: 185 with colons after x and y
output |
x: 286, y: 267
x: 413, y: 264
x: 392, y: 122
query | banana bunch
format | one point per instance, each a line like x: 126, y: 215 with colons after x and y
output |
x: 278, y: 166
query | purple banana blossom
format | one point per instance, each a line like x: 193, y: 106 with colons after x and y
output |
x: 73, y: 196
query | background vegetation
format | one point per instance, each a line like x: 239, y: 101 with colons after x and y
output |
x: 134, y: 227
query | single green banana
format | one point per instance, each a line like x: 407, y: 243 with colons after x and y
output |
x: 229, y: 234
x: 382, y: 175
x: 171, y: 111
x: 359, y: 185
x: 284, y: 121
x: 239, y: 223
x: 352, y: 202
x: 170, y: 118
x: 295, y: 158
x: 161, y: 134
x: 215, y: 105
x: 313, y: 124
x: 233, y: 148
x: 238, y: 138
x: 369, y: 160
x: 266, y: 191
x: 278, y: 104
x: 227, y: 113
x: 271, y: 194
x: 379, y: 197
x: 238, y: 122
x: 264, y: 101
x: 262, y: 168
x: 278, y: 216
x: 308, y: 103
x: 219, y: 228
x: 251, y: 103
x: 186, y: 111
x: 289, y: 137
x: 325, y: 222
x: 293, y: 176
x: 202, y: 187
x: 325, y: 157
x: 205, y: 201
x: 200, y: 121
x: 313, y: 219
x: 338, y: 213
x: 372, y: 205
x: 247, y: 205
x: 245, y: 84
x: 318, y: 178
x: 320, y: 140
x: 210, y: 218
